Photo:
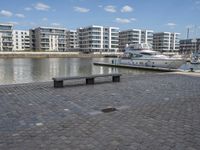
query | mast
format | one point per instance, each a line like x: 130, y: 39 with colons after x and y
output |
x: 188, y: 32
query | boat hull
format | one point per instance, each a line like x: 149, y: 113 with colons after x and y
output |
x: 162, y: 63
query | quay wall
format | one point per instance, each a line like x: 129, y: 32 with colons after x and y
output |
x: 53, y: 54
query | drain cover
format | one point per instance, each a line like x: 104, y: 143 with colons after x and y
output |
x: 109, y: 109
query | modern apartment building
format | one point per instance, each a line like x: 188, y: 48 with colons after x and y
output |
x: 135, y: 36
x: 48, y: 39
x: 166, y: 42
x: 6, y: 41
x: 188, y: 46
x: 71, y: 37
x: 98, y: 39
x: 21, y: 40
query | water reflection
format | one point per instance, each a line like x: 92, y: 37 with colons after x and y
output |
x: 21, y: 70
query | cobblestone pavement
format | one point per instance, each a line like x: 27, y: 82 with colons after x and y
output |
x: 154, y: 112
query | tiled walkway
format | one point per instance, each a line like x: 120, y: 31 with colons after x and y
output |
x: 154, y: 112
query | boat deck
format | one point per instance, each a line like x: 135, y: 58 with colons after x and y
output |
x: 137, y: 67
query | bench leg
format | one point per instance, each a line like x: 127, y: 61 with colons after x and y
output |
x: 58, y: 84
x: 89, y: 80
x: 116, y: 78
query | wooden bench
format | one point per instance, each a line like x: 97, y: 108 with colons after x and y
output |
x: 58, y: 82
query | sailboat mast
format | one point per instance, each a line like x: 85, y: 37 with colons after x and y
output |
x: 188, y: 32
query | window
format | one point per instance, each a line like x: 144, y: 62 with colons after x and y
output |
x: 2, y: 27
x: 149, y: 54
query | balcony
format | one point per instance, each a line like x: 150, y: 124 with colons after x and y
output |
x: 7, y: 46
x: 6, y: 36
x: 44, y: 37
x: 7, y: 41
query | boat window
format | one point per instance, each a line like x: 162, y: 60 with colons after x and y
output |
x: 149, y: 54
x: 137, y: 55
x: 131, y: 55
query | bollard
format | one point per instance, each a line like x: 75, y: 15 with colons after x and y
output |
x: 191, y: 69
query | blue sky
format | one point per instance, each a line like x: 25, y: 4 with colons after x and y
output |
x: 157, y: 15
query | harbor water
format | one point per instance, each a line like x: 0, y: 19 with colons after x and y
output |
x: 25, y: 70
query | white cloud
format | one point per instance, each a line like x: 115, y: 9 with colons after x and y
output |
x: 56, y: 24
x: 32, y: 24
x: 190, y: 26
x: 14, y: 23
x: 197, y: 2
x: 100, y: 6
x: 81, y: 9
x: 28, y: 9
x: 196, y: 5
x: 171, y: 24
x: 133, y: 19
x: 126, y: 9
x: 6, y: 13
x: 42, y: 7
x: 44, y: 19
x: 110, y: 8
x: 20, y: 15
x: 124, y: 20
x: 193, y: 27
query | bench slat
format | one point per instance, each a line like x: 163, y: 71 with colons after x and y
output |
x: 81, y: 77
x: 58, y: 82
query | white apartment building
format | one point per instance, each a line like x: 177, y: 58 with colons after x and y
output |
x: 48, y: 39
x: 166, y: 42
x: 21, y: 40
x: 6, y: 41
x: 71, y: 37
x: 135, y: 36
x: 98, y: 39
x: 188, y: 46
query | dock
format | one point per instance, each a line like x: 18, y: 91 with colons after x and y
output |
x: 154, y: 111
x: 42, y: 54
x: 136, y: 67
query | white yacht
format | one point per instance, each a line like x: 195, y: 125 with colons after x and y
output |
x: 142, y: 55
x: 195, y: 58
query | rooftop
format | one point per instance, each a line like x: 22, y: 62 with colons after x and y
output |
x: 97, y: 26
x: 165, y: 33
x: 56, y: 28
x: 6, y: 24
x: 129, y: 30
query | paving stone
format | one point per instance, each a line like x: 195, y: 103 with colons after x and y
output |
x: 154, y: 111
